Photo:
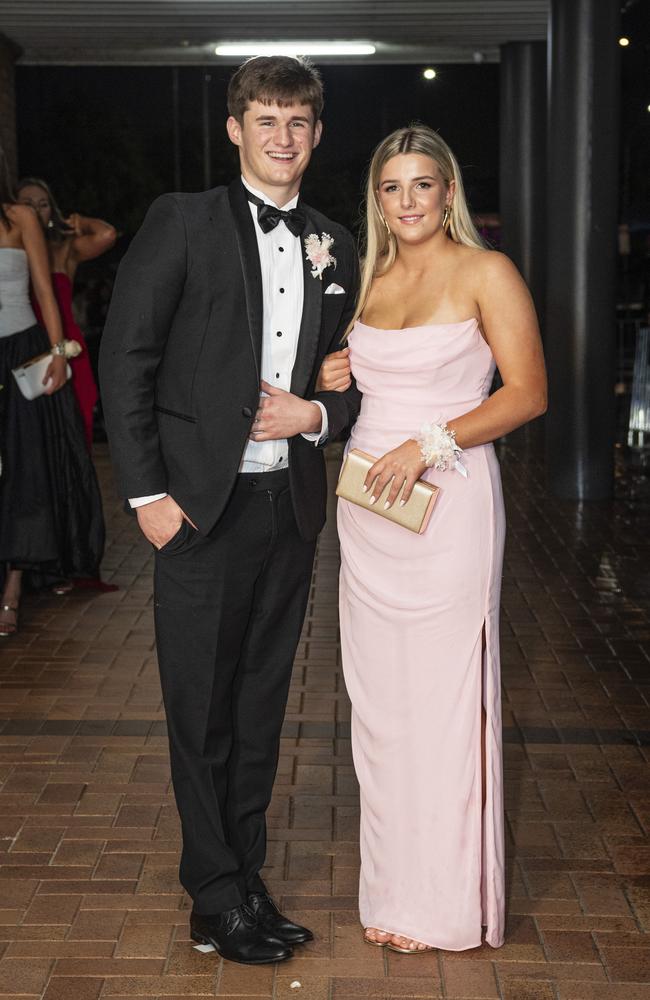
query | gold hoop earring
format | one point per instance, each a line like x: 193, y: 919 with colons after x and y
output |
x: 446, y: 218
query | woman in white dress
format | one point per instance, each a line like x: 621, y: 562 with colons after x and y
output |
x: 51, y: 521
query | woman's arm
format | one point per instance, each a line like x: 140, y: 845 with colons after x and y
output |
x: 510, y: 325
x: 39, y: 269
x: 39, y: 272
x: 335, y: 374
x: 92, y: 237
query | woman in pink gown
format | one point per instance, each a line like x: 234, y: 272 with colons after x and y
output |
x: 420, y: 613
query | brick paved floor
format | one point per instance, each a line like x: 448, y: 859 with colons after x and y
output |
x: 89, y: 901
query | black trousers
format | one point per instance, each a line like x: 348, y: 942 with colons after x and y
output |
x: 229, y: 610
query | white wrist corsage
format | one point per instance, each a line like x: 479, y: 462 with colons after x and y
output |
x: 66, y: 349
x: 439, y: 449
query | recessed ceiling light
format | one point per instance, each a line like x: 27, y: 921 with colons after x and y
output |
x: 295, y: 49
x: 429, y: 74
x: 624, y: 42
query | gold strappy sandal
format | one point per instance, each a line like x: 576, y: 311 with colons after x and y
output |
x: 377, y: 944
x: 410, y: 951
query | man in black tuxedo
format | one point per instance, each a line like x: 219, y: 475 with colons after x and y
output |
x: 224, y: 308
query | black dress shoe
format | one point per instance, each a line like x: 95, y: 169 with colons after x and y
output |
x: 274, y: 922
x: 238, y: 936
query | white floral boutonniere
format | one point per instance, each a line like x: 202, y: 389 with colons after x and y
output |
x: 317, y: 250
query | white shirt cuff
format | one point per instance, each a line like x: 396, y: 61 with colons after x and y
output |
x: 141, y: 501
x: 319, y: 436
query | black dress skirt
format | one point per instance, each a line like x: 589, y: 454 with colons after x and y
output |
x: 51, y: 520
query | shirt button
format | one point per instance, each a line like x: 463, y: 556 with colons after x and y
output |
x: 277, y: 374
x: 280, y: 457
x: 282, y: 291
x: 279, y: 333
x: 246, y: 411
x: 281, y: 249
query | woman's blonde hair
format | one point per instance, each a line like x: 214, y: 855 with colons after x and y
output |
x: 379, y: 245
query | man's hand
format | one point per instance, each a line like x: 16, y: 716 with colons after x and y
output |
x: 282, y: 415
x: 160, y: 520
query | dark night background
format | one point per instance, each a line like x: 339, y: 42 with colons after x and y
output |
x: 102, y: 136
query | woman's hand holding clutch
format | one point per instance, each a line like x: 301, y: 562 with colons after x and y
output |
x: 403, y: 465
x: 55, y: 376
x: 334, y: 374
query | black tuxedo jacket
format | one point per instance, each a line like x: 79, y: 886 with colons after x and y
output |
x: 180, y: 354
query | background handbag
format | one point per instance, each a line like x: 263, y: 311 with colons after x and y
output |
x: 29, y: 376
x: 415, y: 513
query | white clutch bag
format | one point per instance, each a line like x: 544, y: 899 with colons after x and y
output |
x: 29, y: 377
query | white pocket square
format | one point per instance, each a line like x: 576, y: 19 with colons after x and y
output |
x: 334, y: 289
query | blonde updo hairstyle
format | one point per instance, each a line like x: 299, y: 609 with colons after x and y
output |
x: 379, y: 245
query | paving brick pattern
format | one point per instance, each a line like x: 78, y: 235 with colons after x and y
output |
x: 90, y: 906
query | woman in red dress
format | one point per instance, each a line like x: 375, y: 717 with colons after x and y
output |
x: 70, y: 242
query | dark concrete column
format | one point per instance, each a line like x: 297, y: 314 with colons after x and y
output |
x: 207, y: 131
x: 9, y: 52
x: 522, y: 169
x: 582, y: 215
x: 176, y: 129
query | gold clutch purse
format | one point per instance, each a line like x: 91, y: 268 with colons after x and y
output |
x: 415, y: 513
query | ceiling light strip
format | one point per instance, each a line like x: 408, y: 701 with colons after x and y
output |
x: 295, y: 49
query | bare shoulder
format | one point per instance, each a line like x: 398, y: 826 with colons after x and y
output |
x: 492, y: 265
x: 488, y: 272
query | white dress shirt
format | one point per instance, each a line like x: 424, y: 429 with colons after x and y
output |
x: 282, y: 269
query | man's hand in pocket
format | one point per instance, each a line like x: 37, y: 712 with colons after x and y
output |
x: 160, y: 520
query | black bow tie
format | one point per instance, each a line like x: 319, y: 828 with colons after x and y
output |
x: 268, y: 216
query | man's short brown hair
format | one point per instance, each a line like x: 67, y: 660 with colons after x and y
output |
x: 282, y: 80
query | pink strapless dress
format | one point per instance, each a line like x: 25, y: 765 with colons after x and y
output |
x: 420, y: 640
x: 83, y: 380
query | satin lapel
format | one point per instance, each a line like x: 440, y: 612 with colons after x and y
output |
x: 250, y: 265
x: 310, y: 322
